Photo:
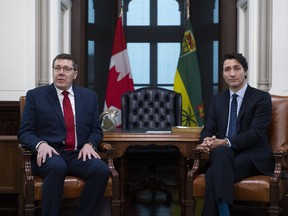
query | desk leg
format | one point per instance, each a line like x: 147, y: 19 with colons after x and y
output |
x: 182, y: 186
x: 122, y: 174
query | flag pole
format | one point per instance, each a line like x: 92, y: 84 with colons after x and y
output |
x: 121, y: 11
x: 188, y: 8
x: 120, y: 6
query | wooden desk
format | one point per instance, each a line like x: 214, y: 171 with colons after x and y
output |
x: 121, y: 140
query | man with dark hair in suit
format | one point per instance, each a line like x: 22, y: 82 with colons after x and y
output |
x: 64, y: 147
x: 235, y: 135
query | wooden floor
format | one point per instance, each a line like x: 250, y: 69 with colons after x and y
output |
x: 145, y: 206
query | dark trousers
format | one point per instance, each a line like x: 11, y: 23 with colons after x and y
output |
x: 225, y: 169
x: 95, y: 172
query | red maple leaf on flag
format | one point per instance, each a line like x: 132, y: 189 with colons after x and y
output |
x: 120, y: 76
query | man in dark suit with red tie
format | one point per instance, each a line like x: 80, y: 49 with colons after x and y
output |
x: 65, y: 137
x: 238, y: 146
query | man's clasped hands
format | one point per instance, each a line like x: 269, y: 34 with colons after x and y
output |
x: 209, y: 143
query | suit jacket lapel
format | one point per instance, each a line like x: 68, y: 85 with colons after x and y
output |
x: 245, y: 103
x: 226, y: 104
x: 53, y: 99
x: 78, y: 101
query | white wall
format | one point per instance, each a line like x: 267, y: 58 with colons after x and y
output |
x: 279, y: 47
x: 262, y: 38
x: 17, y: 48
x: 33, y: 32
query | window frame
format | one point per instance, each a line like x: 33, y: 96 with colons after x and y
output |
x: 146, y: 34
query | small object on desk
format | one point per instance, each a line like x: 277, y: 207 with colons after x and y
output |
x: 108, y: 118
x: 184, y: 129
x: 155, y: 131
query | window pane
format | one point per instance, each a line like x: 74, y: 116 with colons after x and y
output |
x: 216, y: 12
x: 91, y: 65
x: 138, y: 13
x: 168, y: 12
x: 215, y: 66
x: 139, y: 62
x: 168, y: 55
x: 91, y: 12
x: 216, y: 52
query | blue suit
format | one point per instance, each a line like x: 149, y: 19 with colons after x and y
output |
x: 250, y: 153
x: 43, y: 121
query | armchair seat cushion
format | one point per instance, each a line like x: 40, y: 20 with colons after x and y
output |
x: 254, y: 189
x: 72, y: 187
x: 199, y: 186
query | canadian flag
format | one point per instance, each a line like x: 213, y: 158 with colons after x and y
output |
x: 119, y: 77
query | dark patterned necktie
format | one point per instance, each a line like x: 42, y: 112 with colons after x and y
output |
x: 233, y: 116
x: 69, y: 121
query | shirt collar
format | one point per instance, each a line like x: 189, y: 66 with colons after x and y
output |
x: 241, y: 92
x: 59, y: 91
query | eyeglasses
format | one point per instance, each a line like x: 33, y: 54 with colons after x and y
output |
x: 57, y: 69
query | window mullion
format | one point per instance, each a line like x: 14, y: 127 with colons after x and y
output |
x: 153, y: 64
x: 153, y: 13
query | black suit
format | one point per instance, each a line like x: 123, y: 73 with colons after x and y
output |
x: 250, y: 153
x: 43, y: 121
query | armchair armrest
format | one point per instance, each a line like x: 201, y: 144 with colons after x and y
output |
x: 198, y: 157
x: 28, y: 183
x: 281, y: 163
x: 24, y: 151
x: 107, y: 151
x: 26, y: 161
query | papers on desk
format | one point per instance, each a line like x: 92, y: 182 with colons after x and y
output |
x: 158, y: 131
x: 184, y: 129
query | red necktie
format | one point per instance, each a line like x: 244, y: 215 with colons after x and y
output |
x: 69, y: 120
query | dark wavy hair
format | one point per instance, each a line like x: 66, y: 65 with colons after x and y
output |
x: 239, y: 57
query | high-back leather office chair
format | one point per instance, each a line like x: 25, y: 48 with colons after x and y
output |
x: 151, y: 108
x: 256, y: 192
x: 32, y: 185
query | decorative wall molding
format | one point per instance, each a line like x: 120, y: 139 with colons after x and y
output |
x: 55, y: 35
x: 254, y: 40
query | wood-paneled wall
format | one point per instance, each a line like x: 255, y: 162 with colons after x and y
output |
x: 9, y: 117
x: 10, y: 180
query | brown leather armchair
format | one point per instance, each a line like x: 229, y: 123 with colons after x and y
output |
x: 32, y: 185
x: 256, y: 192
x: 151, y: 108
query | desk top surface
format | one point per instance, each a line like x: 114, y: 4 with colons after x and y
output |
x: 142, y: 135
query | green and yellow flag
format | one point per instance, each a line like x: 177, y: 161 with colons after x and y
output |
x: 187, y: 81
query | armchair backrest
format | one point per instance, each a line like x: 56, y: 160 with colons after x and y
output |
x: 22, y: 104
x: 278, y: 131
x: 151, y: 108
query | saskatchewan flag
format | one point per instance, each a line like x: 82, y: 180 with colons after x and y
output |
x: 187, y: 81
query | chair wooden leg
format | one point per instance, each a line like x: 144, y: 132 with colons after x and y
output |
x: 190, y: 201
x: 190, y: 207
x: 274, y: 210
x: 29, y: 210
x: 115, y: 208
